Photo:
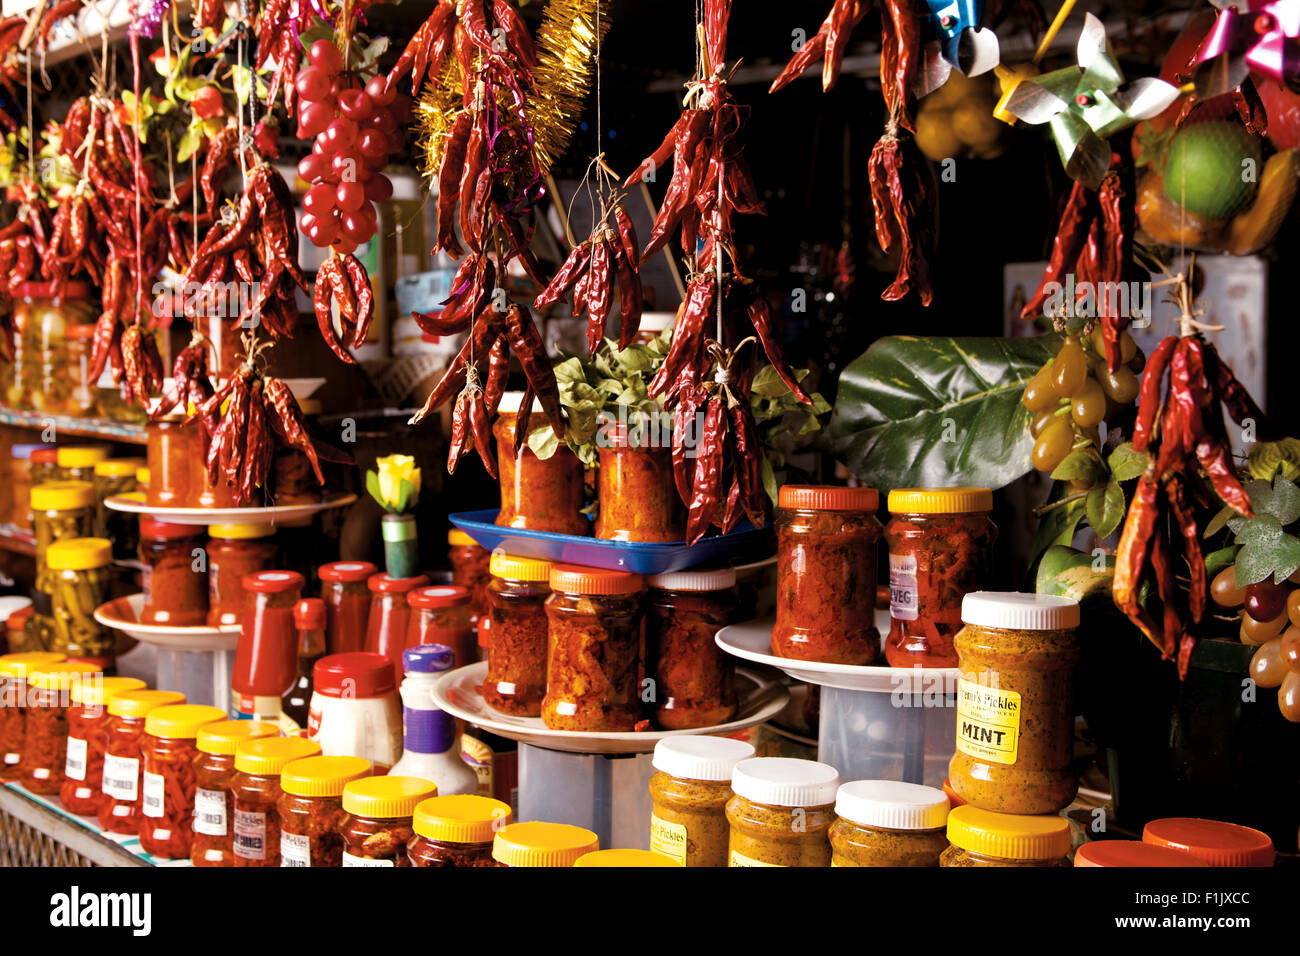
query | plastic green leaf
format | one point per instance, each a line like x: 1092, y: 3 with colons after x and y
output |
x: 1105, y: 504
x: 1126, y: 463
x: 372, y: 486
x: 543, y: 442
x: 1084, y: 464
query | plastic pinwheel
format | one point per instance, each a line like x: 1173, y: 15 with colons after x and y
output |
x: 955, y: 40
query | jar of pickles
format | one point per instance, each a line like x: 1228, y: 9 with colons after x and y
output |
x: 390, y: 615
x: 88, y: 722
x: 346, y: 595
x: 175, y: 588
x: 45, y: 464
x: 168, y: 781
x: 456, y: 830
x: 517, y: 635
x: 940, y: 549
x: 177, y: 462
x: 378, y: 824
x: 536, y: 493
x: 694, y: 679
x: 214, y: 772
x: 594, y: 654
x: 256, y: 791
x: 689, y: 793
x: 60, y: 509
x: 888, y: 823
x: 47, y: 312
x: 77, y: 462
x: 119, y: 811
x: 536, y: 843
x: 45, y: 736
x: 636, y: 489
x: 440, y: 615
x: 469, y: 569
x: 19, y: 512
x: 982, y: 838
x: 781, y: 813
x: 80, y: 572
x: 826, y: 574
x: 13, y: 715
x: 81, y: 390
x: 116, y: 476
x: 235, y: 550
x: 311, y: 808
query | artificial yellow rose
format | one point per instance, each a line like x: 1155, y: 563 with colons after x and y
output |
x: 393, y: 470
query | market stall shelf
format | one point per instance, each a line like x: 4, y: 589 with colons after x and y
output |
x: 71, y: 425
x: 36, y: 831
x: 207, y: 516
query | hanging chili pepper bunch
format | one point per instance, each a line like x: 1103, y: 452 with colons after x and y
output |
x: 277, y: 40
x: 11, y: 75
x: 190, y: 383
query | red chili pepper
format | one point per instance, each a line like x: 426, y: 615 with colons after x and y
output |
x: 449, y: 175
x: 598, y: 293
x: 707, y: 485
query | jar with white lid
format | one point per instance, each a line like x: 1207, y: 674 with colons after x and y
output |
x: 888, y: 823
x: 781, y: 813
x: 689, y: 794
x: 354, y: 710
x: 694, y: 679
x: 430, y: 744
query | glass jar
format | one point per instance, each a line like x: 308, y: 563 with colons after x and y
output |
x: 347, y: 601
x: 390, y: 615
x: 622, y: 858
x: 295, y: 703
x: 175, y: 591
x: 940, y: 549
x: 354, y: 708
x: 26, y: 355
x: 119, y: 811
x: 116, y: 476
x: 77, y: 462
x: 826, y: 574
x: 13, y: 714
x: 1015, y: 714
x: 440, y: 615
x: 45, y: 464
x: 541, y: 495
x: 60, y: 509
x: 81, y: 390
x: 235, y: 550
x: 688, y: 793
x: 16, y: 629
x: 636, y: 490
x: 19, y: 512
x: 311, y: 809
x: 517, y: 635
x: 469, y: 570
x: 168, y: 782
x: 536, y: 843
x: 1132, y: 853
x: 177, y: 463
x: 888, y: 823
x: 88, y: 723
x: 79, y: 573
x: 45, y: 733
x: 256, y: 791
x: 1213, y: 842
x: 781, y: 813
x: 694, y: 679
x: 378, y: 824
x: 214, y: 772
x: 456, y: 830
x: 50, y: 312
x: 266, y: 657
x: 983, y: 838
x: 293, y: 479
x: 594, y: 655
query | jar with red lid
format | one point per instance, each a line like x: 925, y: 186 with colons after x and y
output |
x: 355, y: 711
x: 517, y: 635
x: 234, y: 551
x: 440, y: 615
x: 826, y: 574
x: 88, y: 722
x: 311, y: 809
x: 214, y: 772
x: 469, y: 569
x: 168, y: 782
x: 456, y: 830
x: 16, y: 630
x: 45, y: 736
x: 266, y: 657
x: 256, y: 791
x: 636, y: 489
x: 1132, y: 853
x: 1213, y: 842
x: 694, y: 679
x: 390, y: 615
x: 541, y: 494
x: 13, y: 720
x: 175, y: 593
x: 119, y: 812
x: 346, y: 595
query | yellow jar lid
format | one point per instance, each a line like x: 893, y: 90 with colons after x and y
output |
x: 542, y: 844
x: 459, y: 539
x: 461, y: 818
x: 142, y: 476
x: 387, y: 798
x: 17, y: 665
x: 224, y: 736
x: 241, y: 532
x: 939, y: 501
x: 138, y: 703
x: 625, y: 858
x: 118, y: 467
x: 322, y: 776
x: 79, y: 554
x: 181, y: 721
x: 61, y: 675
x: 514, y: 568
x: 97, y: 693
x: 82, y: 456
x: 269, y: 755
x: 62, y: 495
x: 1008, y: 836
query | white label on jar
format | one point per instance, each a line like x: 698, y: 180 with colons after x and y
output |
x: 250, y: 834
x: 350, y: 860
x: 210, y: 812
x: 41, y: 773
x: 121, y: 777
x: 295, y: 849
x: 74, y: 767
x: 902, y: 587
x: 668, y: 839
x: 739, y: 859
x: 151, y: 800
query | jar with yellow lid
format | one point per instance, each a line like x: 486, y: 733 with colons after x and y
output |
x: 311, y: 808
x: 13, y: 715
x: 77, y: 462
x: 782, y: 812
x: 88, y: 723
x: 79, y: 576
x: 888, y: 823
x: 235, y: 550
x: 536, y: 843
x: 257, y: 792
x: 689, y: 793
x: 1015, y: 714
x: 623, y: 858
x: 456, y: 830
x: 45, y: 736
x: 470, y: 569
x: 517, y: 635
x: 983, y: 838
x: 168, y: 782
x: 60, y: 509
x: 940, y: 544
x: 142, y: 482
x: 214, y: 771
x: 119, y: 811
x: 116, y: 476
x: 378, y: 825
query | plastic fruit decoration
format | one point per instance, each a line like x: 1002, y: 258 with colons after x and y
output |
x: 1204, y: 168
x: 957, y: 120
x: 1263, y: 38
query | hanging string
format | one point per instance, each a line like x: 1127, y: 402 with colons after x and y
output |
x: 239, y: 113
x: 135, y: 175
x: 31, y: 131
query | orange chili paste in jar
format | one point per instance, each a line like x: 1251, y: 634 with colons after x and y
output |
x: 256, y: 789
x: 456, y: 830
x: 539, y: 494
x: 45, y: 736
x: 214, y: 771
x: 119, y: 812
x: 378, y: 825
x: 517, y: 635
x: 88, y: 723
x: 169, y: 782
x: 175, y: 593
x: 311, y: 808
x: 440, y: 614
x: 235, y: 550
x: 469, y: 569
x: 694, y: 679
x: 636, y: 490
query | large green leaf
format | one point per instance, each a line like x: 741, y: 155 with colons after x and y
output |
x: 938, y: 411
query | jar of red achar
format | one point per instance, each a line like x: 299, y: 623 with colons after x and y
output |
x: 119, y: 811
x: 693, y: 677
x: 594, y: 654
x: 390, y: 615
x: 456, y: 830
x: 536, y: 843
x: 256, y: 791
x: 88, y: 724
x: 378, y: 824
x: 45, y: 736
x: 175, y: 593
x: 214, y: 772
x: 635, y: 488
x: 311, y: 808
x: 168, y: 782
x: 517, y: 635
x: 536, y: 493
x: 177, y: 462
x: 347, y: 601
x: 469, y: 569
x: 13, y: 705
x: 826, y: 574
x: 940, y: 549
x: 266, y: 657
x: 440, y: 615
x: 235, y: 550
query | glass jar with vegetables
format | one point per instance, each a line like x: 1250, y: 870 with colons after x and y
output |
x: 80, y: 572
x: 541, y: 494
x: 635, y: 488
x: 14, y: 669
x: 88, y: 724
x: 214, y: 772
x: 45, y: 736
x: 694, y: 679
x: 77, y: 462
x: 175, y: 582
x: 60, y: 509
x: 82, y: 397
x: 311, y: 808
x: 517, y: 635
x: 168, y: 781
x: 256, y: 791
x: 119, y: 812
x: 116, y: 476
x: 379, y: 823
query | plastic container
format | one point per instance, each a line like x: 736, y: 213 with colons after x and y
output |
x: 390, y: 616
x: 45, y: 735
x: 256, y: 791
x: 456, y: 831
x: 214, y: 772
x: 346, y: 595
x: 116, y: 476
x: 45, y: 313
x: 177, y: 463
x: 354, y: 709
x: 1132, y: 853
x: 888, y: 823
x: 234, y: 551
x: 689, y: 794
x: 469, y: 570
x: 430, y: 744
x: 694, y: 679
x: 983, y: 838
x: 636, y: 490
x: 266, y: 658
x: 542, y: 495
x: 517, y: 634
x: 13, y: 720
x: 378, y: 825
x: 82, y: 391
x: 77, y: 462
x: 1213, y: 842
x: 440, y: 614
x: 60, y: 509
x: 781, y: 813
x: 169, y: 782
x: 542, y: 844
x: 80, y: 573
x: 174, y: 582
x: 622, y: 858
x: 119, y: 812
x: 311, y: 809
x: 88, y: 724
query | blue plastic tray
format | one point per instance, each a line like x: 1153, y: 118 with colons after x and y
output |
x: 744, y: 541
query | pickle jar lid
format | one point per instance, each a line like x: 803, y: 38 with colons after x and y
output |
x: 785, y: 782
x: 388, y: 797
x: 81, y: 456
x: 181, y: 721
x: 1013, y: 611
x: 62, y: 675
x: 573, y: 579
x: 438, y: 595
x: 24, y: 450
x: 510, y: 567
x: 97, y: 693
x: 1212, y: 841
x: 322, y: 776
x: 1132, y: 853
x: 223, y: 737
x: 62, y: 495
x: 1008, y: 836
x: 939, y: 501
x: 828, y: 498
x: 272, y: 582
x: 624, y: 858
x: 17, y: 665
x: 461, y: 818
x: 459, y: 539
x: 717, y: 579
x: 138, y: 703
x: 241, y: 532
x: 542, y: 844
x: 79, y: 554
x: 142, y: 476
x: 347, y: 571
x: 44, y: 455
x: 892, y: 805
x: 385, y: 584
x: 700, y: 758
x: 118, y: 467
x: 269, y: 755
x: 167, y: 530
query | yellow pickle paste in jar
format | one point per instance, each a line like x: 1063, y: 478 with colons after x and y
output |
x: 889, y: 823
x: 689, y: 793
x: 983, y: 838
x: 781, y: 813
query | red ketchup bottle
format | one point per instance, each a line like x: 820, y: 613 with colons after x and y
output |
x: 347, y: 602
x: 266, y: 658
x: 389, y: 617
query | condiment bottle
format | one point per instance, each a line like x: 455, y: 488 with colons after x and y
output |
x: 45, y: 736
x: 88, y: 722
x: 347, y: 599
x: 13, y: 714
x: 430, y: 748
x: 309, y: 619
x: 888, y: 823
x: 781, y: 812
x: 693, y: 677
x: 311, y: 808
x: 378, y: 824
x: 390, y: 615
x: 174, y: 580
x: 1132, y: 853
x: 689, y: 794
x: 256, y: 791
x: 1214, y: 842
x: 354, y: 708
x: 440, y: 615
x: 623, y: 858
x: 983, y: 838
x: 168, y: 782
x: 469, y: 569
x: 517, y: 634
x: 536, y: 843
x: 457, y: 830
x: 120, y: 810
x: 234, y: 551
x: 266, y: 657
x: 1015, y: 719
x: 214, y: 772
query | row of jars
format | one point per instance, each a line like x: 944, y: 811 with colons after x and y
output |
x: 39, y: 464
x: 52, y: 343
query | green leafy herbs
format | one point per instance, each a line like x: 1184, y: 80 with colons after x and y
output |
x: 786, y: 426
x: 1266, y: 545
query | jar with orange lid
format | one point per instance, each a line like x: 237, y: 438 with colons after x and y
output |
x: 116, y: 476
x: 983, y: 838
x: 256, y: 791
x: 235, y: 550
x: 311, y: 808
x: 694, y: 679
x: 45, y: 464
x: 82, y: 391
x: 593, y: 664
x: 456, y: 830
x: 60, y: 509
x: 16, y: 629
x: 168, y: 781
x: 174, y: 580
x: 214, y: 771
x: 1213, y: 842
x: 623, y: 858
x: 469, y: 569
x: 80, y: 572
x: 781, y: 813
x: 440, y: 615
x: 88, y: 724
x: 346, y: 594
x: 378, y: 825
x: 827, y: 538
x: 540, y: 494
x: 390, y: 616
x: 1132, y: 854
x: 119, y: 811
x: 536, y: 843
x: 635, y: 486
x: 45, y: 736
x: 13, y: 714
x: 517, y: 635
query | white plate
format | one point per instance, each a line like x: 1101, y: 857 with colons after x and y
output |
x: 457, y: 693
x: 123, y: 614
x: 752, y: 641
x: 137, y: 506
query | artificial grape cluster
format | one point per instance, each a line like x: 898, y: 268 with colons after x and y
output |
x: 356, y: 128
x: 1075, y: 392
x: 1270, y: 620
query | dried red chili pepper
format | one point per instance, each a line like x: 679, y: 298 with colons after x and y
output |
x: 707, y: 485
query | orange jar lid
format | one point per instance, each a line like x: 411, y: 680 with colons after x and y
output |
x: 573, y: 579
x: 1131, y: 853
x: 1214, y: 842
x: 827, y: 498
